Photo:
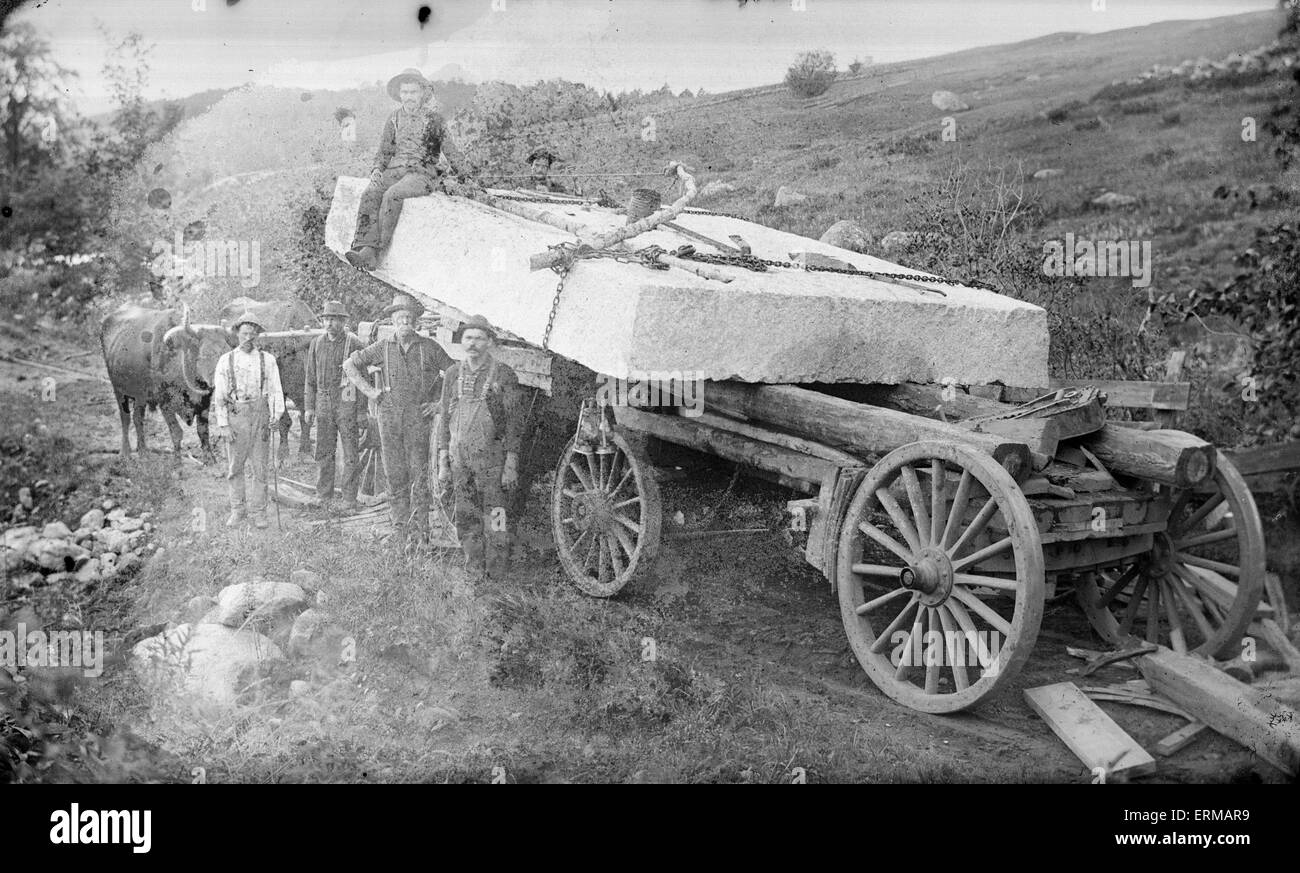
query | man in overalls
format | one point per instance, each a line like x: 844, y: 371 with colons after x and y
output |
x: 410, y: 369
x: 478, y: 448
x: 247, y: 397
x: 331, y: 400
x: 406, y: 165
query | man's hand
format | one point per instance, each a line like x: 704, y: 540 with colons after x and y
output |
x: 223, y: 432
x: 376, y: 175
x: 510, y: 473
x: 429, y: 410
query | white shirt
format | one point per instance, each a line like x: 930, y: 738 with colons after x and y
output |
x: 246, y: 382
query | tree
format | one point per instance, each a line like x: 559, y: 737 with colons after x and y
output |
x: 859, y: 64
x: 34, y: 116
x: 811, y: 73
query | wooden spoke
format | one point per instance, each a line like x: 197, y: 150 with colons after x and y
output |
x: 1206, y: 508
x: 627, y: 523
x: 904, y: 663
x: 627, y: 502
x: 974, y: 579
x: 1217, y: 566
x: 877, y: 570
x: 882, y: 642
x: 572, y: 494
x: 1177, y: 637
x: 1120, y: 583
x: 960, y: 677
x: 1153, y: 612
x: 895, y: 512
x: 1134, y: 601
x: 613, y: 545
x: 931, y: 668
x: 624, y: 540
x: 881, y: 600
x: 1217, y: 536
x: 917, y: 501
x: 627, y: 477
x: 989, y: 551
x: 593, y: 470
x: 885, y: 540
x: 603, y: 560
x: 937, y: 481
x: 582, y: 476
x: 982, y: 609
x: 1185, y: 595
x: 957, y: 510
x: 977, y: 526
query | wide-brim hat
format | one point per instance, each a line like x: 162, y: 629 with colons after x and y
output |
x: 542, y: 152
x: 478, y: 322
x: 404, y: 301
x: 410, y: 74
x: 248, y: 318
x: 333, y: 308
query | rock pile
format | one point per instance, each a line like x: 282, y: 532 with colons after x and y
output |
x: 218, y: 647
x: 1272, y: 58
x: 106, y: 544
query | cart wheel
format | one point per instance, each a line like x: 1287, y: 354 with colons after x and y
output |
x: 930, y: 629
x: 1198, y: 587
x: 605, y: 516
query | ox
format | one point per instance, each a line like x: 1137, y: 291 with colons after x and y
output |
x: 159, y: 360
x: 290, y: 353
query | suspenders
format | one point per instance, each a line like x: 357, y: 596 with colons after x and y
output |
x: 230, y: 372
x: 388, y: 366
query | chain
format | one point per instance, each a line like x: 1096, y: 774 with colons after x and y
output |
x: 1061, y: 400
x: 570, y: 253
x: 750, y: 262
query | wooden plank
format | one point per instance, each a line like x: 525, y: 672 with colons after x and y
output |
x: 1042, y: 435
x: 1278, y: 640
x: 1247, y: 715
x: 1090, y: 733
x: 1281, y: 458
x: 1180, y: 738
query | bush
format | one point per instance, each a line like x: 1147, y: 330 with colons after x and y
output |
x: 1088, y: 124
x: 1172, y: 117
x: 811, y: 74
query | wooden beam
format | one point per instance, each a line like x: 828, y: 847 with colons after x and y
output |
x: 726, y: 444
x: 1180, y: 738
x: 1281, y: 458
x: 857, y: 428
x: 1138, y: 395
x: 1089, y: 732
x: 1169, y: 456
x: 928, y: 400
x: 1258, y: 721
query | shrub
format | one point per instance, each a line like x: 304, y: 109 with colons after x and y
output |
x: 1088, y: 124
x: 811, y: 74
x: 1172, y: 117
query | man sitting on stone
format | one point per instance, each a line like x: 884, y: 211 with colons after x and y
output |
x: 540, y: 163
x: 406, y: 165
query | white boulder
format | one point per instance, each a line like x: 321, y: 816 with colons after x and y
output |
x: 206, y: 660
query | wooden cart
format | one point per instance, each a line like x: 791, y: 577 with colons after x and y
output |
x: 942, y: 520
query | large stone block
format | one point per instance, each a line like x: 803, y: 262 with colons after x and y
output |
x: 782, y: 325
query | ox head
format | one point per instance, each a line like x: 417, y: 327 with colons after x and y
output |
x: 199, y: 346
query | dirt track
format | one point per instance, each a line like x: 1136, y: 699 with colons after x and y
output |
x: 744, y: 609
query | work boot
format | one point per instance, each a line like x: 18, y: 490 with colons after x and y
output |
x: 259, y: 522
x: 236, y: 517
x: 362, y: 258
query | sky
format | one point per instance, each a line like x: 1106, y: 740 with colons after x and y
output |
x: 608, y: 44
